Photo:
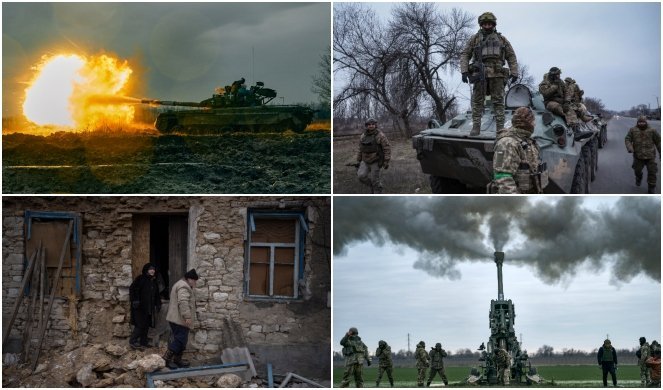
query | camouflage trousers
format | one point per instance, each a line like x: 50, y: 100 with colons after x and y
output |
x: 494, y: 88
x: 581, y: 112
x: 504, y: 374
x: 558, y: 109
x: 381, y: 370
x: 433, y: 372
x: 421, y: 375
x: 652, y: 169
x: 644, y: 375
x: 369, y: 174
x: 353, y: 371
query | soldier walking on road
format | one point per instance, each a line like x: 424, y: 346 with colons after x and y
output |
x: 607, y: 358
x: 488, y: 51
x: 644, y: 141
x: 384, y: 354
x: 643, y: 354
x: 356, y: 353
x: 437, y: 364
x: 517, y: 166
x: 374, y: 154
x: 422, y: 362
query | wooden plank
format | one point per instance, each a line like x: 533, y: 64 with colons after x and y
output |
x: 29, y: 313
x: 42, y: 330
x: 177, y: 247
x: 310, y: 382
x: 270, y: 376
x: 27, y: 276
x: 195, y: 371
x: 49, y: 234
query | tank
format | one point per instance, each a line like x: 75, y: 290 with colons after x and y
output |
x: 459, y: 163
x: 501, y: 320
x: 232, y: 109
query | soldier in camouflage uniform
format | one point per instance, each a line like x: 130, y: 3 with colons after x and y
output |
x: 374, y: 153
x: 436, y: 364
x: 643, y: 141
x: 356, y: 353
x: 503, y: 362
x: 517, y: 167
x: 576, y: 100
x: 557, y: 97
x: 643, y: 354
x: 422, y: 363
x: 491, y: 49
x: 384, y: 354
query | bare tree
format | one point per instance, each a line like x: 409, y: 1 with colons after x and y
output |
x: 524, y: 77
x: 322, y: 81
x: 594, y: 105
x: 432, y: 42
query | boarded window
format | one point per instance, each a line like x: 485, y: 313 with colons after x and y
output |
x: 49, y: 229
x: 274, y: 256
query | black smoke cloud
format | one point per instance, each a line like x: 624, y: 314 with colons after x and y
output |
x: 559, y: 234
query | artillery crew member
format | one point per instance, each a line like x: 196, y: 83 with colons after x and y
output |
x: 654, y: 365
x: 373, y: 155
x: 517, y: 166
x: 356, y: 353
x: 488, y: 50
x: 437, y: 364
x: 607, y: 358
x: 557, y: 97
x: 643, y: 141
x: 422, y: 362
x: 643, y: 354
x: 503, y: 363
x: 384, y: 354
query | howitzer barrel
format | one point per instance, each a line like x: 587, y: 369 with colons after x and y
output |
x: 499, y: 259
x: 170, y: 103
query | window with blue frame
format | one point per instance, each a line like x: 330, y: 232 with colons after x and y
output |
x: 275, y: 254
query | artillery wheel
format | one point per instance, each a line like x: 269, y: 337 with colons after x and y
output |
x: 579, y: 184
x: 444, y: 185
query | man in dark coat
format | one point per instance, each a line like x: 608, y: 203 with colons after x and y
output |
x: 607, y: 359
x: 145, y: 304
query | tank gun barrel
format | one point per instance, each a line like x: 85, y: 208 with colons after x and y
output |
x: 499, y: 259
x: 170, y: 103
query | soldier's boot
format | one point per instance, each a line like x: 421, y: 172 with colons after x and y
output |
x: 391, y: 382
x: 428, y: 384
x: 476, y: 129
x: 168, y: 357
x: 179, y: 362
x: 651, y: 190
x: 377, y: 383
x: 638, y: 180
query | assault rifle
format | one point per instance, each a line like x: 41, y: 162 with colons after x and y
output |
x: 478, y: 69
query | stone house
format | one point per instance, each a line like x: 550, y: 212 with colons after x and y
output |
x: 264, y: 265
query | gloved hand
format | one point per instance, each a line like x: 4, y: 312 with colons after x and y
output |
x: 385, y: 165
x: 466, y: 77
x: 513, y: 79
x: 566, y: 106
x: 630, y: 150
x: 135, y: 304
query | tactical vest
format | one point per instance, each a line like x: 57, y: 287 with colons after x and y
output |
x: 607, y: 354
x: 526, y: 176
x: 492, y: 47
x: 369, y: 143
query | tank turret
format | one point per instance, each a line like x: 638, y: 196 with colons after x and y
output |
x: 232, y: 108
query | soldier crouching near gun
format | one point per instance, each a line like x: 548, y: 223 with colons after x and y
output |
x: 374, y: 154
x: 384, y: 354
x: 607, y: 357
x: 517, y: 165
x: 643, y: 141
x: 437, y: 364
x: 422, y: 362
x: 356, y: 353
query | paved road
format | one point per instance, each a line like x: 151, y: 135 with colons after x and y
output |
x: 615, y: 175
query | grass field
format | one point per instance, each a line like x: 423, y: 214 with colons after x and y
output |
x: 558, y: 376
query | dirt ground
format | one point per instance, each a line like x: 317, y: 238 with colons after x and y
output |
x: 404, y: 175
x: 123, y: 162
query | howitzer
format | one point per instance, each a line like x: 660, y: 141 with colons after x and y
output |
x: 502, y: 318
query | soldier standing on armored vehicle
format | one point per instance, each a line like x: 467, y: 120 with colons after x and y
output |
x: 374, y: 154
x: 643, y: 354
x: 437, y: 364
x: 503, y: 362
x: 557, y: 97
x: 422, y: 363
x: 356, y: 353
x: 607, y: 357
x: 488, y: 50
x: 643, y: 141
x: 384, y: 354
x: 517, y: 166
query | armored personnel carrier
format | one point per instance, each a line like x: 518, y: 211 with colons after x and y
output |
x: 232, y: 109
x: 459, y: 163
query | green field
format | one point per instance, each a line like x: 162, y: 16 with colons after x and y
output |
x: 562, y: 376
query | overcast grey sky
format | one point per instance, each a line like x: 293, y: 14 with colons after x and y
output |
x: 186, y: 50
x: 576, y: 268
x: 613, y: 50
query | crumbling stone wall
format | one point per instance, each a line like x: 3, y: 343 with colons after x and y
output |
x: 217, y: 234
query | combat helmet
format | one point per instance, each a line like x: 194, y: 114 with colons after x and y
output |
x: 382, y: 343
x: 555, y: 70
x: 487, y: 17
x: 371, y: 121
x: 354, y: 331
x: 438, y: 346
